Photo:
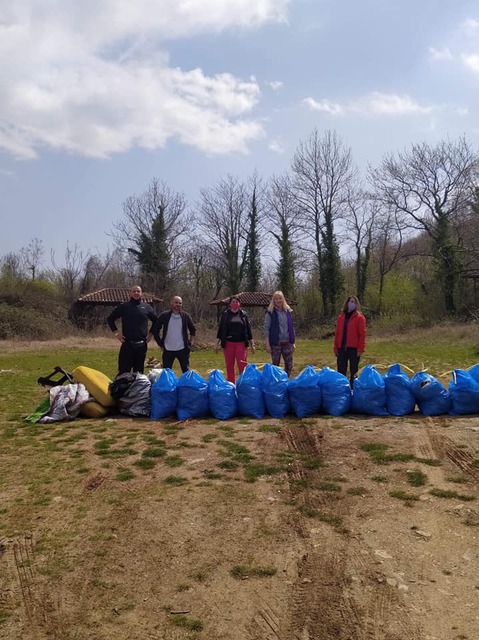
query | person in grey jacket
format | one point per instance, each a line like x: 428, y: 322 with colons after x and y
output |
x: 175, y: 334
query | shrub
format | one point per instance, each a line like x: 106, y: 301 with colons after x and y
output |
x: 31, y: 310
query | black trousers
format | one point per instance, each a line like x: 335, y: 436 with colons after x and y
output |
x: 132, y: 356
x: 183, y: 357
x: 345, y: 356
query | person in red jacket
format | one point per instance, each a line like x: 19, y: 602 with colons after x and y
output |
x: 350, y: 337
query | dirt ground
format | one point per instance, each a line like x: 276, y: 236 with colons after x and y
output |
x: 316, y: 548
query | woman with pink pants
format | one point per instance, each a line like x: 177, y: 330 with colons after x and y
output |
x: 234, y: 335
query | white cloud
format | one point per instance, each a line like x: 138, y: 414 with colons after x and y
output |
x: 93, y: 77
x: 440, y: 54
x: 277, y: 146
x: 15, y: 142
x: 7, y: 172
x: 471, y: 62
x: 276, y: 85
x: 471, y: 24
x: 391, y: 104
x: 326, y: 106
x: 375, y: 103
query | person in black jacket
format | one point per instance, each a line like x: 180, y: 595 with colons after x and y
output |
x: 234, y: 335
x: 134, y: 334
x: 175, y: 333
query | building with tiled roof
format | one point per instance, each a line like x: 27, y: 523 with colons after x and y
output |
x: 115, y: 295
x: 89, y: 312
x: 247, y: 299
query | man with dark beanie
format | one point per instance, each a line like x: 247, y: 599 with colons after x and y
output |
x: 134, y: 334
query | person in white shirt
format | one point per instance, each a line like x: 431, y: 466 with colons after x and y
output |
x: 175, y: 333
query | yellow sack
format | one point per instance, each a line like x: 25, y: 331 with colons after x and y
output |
x: 93, y: 409
x: 96, y: 383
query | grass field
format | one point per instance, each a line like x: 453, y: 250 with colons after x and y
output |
x: 438, y: 350
x: 84, y: 503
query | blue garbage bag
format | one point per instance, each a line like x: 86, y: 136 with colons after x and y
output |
x: 464, y: 391
x: 400, y: 400
x: 192, y: 396
x: 369, y: 393
x: 304, y: 393
x: 164, y: 395
x: 474, y: 372
x: 250, y: 393
x: 222, y: 396
x: 432, y: 397
x: 335, y: 392
x: 275, y: 390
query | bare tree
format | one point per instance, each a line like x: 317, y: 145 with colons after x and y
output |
x: 431, y: 185
x: 152, y: 228
x: 200, y: 278
x: 69, y: 276
x: 32, y: 256
x: 467, y: 231
x: 11, y: 266
x: 282, y: 222
x: 360, y: 217
x: 224, y: 220
x: 322, y: 169
x: 387, y: 244
x: 94, y: 272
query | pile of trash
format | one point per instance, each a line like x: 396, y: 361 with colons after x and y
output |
x: 160, y: 394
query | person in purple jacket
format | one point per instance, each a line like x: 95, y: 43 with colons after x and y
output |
x: 279, y: 331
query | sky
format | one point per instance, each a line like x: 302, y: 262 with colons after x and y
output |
x: 98, y: 97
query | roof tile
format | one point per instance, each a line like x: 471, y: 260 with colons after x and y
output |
x: 115, y: 295
x: 248, y: 299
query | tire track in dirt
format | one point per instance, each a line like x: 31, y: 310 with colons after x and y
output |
x: 321, y: 580
x: 375, y: 624
x: 39, y: 599
x: 382, y: 615
x: 20, y: 557
x: 7, y: 592
x: 431, y: 444
x: 303, y: 438
x: 266, y: 622
x: 94, y: 481
x: 96, y: 552
x: 423, y: 444
x: 306, y: 442
x: 101, y: 478
x: 334, y: 576
x: 41, y: 611
x: 462, y: 459
x: 318, y: 596
x: 428, y: 445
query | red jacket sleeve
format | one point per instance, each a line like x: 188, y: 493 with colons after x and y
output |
x: 361, y: 333
x: 338, y: 334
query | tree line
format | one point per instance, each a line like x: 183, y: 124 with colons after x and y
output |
x: 318, y: 232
